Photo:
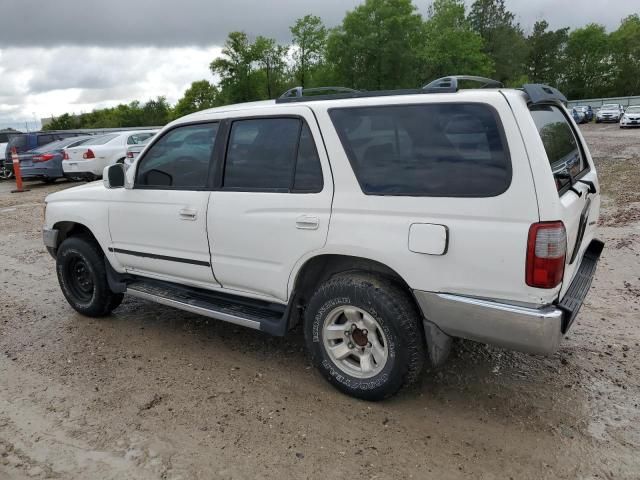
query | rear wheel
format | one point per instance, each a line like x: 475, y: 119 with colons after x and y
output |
x: 364, y: 334
x: 5, y: 173
x: 83, y: 277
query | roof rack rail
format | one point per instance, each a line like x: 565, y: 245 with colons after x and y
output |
x: 450, y: 84
x: 299, y: 92
x: 442, y: 85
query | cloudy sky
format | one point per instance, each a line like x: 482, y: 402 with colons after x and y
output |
x: 75, y: 55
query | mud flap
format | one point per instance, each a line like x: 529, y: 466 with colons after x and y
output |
x: 438, y: 343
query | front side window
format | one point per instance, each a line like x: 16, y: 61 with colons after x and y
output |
x: 455, y: 150
x: 272, y: 154
x: 560, y: 143
x: 180, y: 159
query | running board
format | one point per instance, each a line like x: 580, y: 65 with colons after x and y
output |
x: 246, y: 312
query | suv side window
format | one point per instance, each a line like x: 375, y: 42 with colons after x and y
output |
x: 272, y: 154
x: 439, y: 149
x: 560, y: 143
x: 180, y: 159
x: 308, y: 176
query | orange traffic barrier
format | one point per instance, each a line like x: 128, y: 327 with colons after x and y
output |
x: 16, y: 171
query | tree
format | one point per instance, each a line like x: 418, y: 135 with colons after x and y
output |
x: 546, y: 53
x: 199, y: 96
x: 271, y: 60
x: 377, y: 46
x: 309, y: 37
x: 451, y: 46
x: 156, y: 112
x: 588, y: 63
x: 625, y: 48
x: 504, y: 39
x: 235, y: 68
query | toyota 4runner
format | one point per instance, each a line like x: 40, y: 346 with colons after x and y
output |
x: 385, y: 223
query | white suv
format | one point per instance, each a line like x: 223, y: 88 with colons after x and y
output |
x: 385, y: 223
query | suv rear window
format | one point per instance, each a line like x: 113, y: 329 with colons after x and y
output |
x: 444, y: 150
x: 560, y: 143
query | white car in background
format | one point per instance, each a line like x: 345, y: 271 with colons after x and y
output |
x: 133, y: 151
x: 86, y: 162
x: 631, y: 117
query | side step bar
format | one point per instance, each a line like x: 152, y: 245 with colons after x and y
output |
x: 256, y: 314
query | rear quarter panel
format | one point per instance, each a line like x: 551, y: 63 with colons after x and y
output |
x: 487, y: 236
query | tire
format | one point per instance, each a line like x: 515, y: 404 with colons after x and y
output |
x: 370, y: 302
x: 5, y: 173
x: 83, y: 277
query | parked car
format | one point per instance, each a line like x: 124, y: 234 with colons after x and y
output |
x: 385, y: 224
x: 609, y: 113
x: 578, y: 115
x: 133, y: 151
x: 87, y: 161
x: 631, y: 117
x: 587, y: 110
x: 45, y: 163
x: 23, y: 142
x: 5, y: 172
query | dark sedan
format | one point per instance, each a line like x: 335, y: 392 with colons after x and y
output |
x: 45, y: 162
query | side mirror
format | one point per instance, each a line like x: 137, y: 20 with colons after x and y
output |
x: 113, y: 176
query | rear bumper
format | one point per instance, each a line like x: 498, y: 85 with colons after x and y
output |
x: 526, y: 329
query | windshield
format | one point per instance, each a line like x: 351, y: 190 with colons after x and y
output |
x: 60, y: 144
x: 633, y: 109
x: 610, y: 107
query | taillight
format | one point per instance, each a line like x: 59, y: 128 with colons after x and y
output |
x: 546, y: 252
x: 65, y: 155
x: 88, y: 154
x: 42, y: 158
x: 129, y: 154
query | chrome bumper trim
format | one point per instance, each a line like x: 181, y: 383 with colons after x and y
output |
x: 50, y: 237
x: 531, y: 330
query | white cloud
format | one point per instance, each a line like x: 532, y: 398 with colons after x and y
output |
x: 53, y: 81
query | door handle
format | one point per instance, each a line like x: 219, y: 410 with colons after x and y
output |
x: 188, y: 214
x: 307, y: 222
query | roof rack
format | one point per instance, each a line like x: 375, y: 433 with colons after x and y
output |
x: 538, y: 93
x: 450, y: 84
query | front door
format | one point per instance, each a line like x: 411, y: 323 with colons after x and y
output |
x: 159, y: 227
x: 273, y: 204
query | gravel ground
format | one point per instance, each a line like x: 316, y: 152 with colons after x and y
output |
x: 152, y: 392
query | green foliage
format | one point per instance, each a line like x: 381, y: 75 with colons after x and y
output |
x: 504, y: 39
x: 451, y: 46
x: 386, y: 44
x: 588, y: 65
x: 153, y: 113
x: 309, y: 39
x: 199, y: 96
x: 546, y: 53
x: 625, y: 49
x: 377, y: 46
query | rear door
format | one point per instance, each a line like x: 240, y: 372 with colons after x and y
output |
x: 273, y: 201
x: 571, y: 168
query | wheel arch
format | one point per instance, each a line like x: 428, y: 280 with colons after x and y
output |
x: 320, y: 268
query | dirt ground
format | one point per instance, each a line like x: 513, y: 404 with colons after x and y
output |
x: 156, y: 393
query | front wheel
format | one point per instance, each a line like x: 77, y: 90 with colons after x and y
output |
x: 364, y: 334
x: 83, y: 277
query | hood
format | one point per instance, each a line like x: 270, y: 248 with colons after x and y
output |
x: 88, y: 191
